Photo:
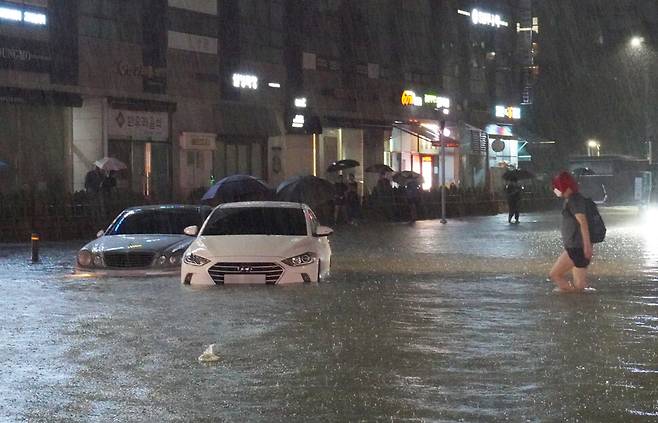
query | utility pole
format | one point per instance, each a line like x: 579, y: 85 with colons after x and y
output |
x: 442, y: 125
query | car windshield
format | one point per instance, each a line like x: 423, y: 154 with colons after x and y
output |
x: 256, y: 221
x: 155, y: 222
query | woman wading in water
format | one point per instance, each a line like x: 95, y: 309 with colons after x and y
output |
x: 577, y: 252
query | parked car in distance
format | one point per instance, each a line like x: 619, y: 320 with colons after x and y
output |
x: 144, y: 240
x: 263, y: 242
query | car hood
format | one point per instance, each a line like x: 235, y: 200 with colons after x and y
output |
x: 151, y: 242
x: 252, y: 245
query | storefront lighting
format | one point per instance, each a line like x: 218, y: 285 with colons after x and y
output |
x: 298, y: 121
x: 245, y: 81
x: 274, y: 85
x: 300, y: 102
x: 431, y: 126
x: 11, y: 14
x: 34, y: 18
x: 508, y: 112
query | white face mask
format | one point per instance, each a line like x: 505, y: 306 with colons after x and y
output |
x: 557, y: 192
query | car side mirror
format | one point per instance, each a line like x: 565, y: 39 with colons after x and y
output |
x: 191, y: 230
x: 100, y: 233
x: 323, y: 231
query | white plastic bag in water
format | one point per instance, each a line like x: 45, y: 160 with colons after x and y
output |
x: 210, y: 355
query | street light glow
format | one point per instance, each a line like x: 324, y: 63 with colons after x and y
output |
x: 636, y: 42
x: 592, y: 143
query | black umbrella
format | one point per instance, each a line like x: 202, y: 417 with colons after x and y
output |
x: 517, y: 174
x: 310, y: 190
x: 343, y: 165
x: 580, y: 171
x: 402, y: 178
x: 379, y: 168
x: 237, y: 188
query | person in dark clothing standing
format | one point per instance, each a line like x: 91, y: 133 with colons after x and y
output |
x: 340, y: 190
x: 513, y: 191
x: 352, y: 199
x: 412, y: 191
x: 575, y: 237
x: 108, y: 184
x: 93, y: 181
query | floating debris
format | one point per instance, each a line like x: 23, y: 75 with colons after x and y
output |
x: 210, y: 355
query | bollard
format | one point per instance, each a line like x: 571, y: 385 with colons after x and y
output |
x: 35, y: 247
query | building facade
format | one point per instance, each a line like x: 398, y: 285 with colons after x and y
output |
x: 189, y: 91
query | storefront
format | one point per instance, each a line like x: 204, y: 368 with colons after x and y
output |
x: 415, y: 146
x: 242, y: 138
x: 503, y: 146
x: 141, y: 140
x: 35, y: 136
x: 196, y: 161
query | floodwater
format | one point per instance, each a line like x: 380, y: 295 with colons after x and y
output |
x: 420, y: 322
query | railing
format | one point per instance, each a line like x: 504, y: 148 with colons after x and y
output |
x: 56, y: 218
x: 80, y: 216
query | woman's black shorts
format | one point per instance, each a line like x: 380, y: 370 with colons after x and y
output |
x: 577, y: 255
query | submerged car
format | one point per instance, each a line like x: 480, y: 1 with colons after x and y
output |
x: 145, y: 240
x: 258, y: 243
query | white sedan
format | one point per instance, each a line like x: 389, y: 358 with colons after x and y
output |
x: 258, y: 243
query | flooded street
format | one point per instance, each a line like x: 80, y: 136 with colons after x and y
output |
x: 420, y: 322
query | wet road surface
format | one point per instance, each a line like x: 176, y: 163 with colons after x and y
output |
x: 417, y: 323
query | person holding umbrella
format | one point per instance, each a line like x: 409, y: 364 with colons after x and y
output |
x: 513, y: 192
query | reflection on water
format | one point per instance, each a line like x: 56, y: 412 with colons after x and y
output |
x: 424, y: 322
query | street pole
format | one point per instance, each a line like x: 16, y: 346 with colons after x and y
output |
x: 647, y: 121
x: 442, y: 125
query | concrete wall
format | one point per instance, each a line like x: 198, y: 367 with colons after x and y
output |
x: 89, y: 143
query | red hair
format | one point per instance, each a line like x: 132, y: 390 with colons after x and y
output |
x: 565, y: 180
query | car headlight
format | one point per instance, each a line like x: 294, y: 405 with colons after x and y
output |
x: 162, y: 260
x: 175, y: 259
x: 85, y: 258
x: 98, y: 260
x: 300, y: 260
x: 195, y: 260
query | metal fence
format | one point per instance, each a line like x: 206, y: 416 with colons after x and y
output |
x: 79, y: 216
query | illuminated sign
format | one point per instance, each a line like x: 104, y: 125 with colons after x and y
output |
x: 508, y: 112
x: 479, y: 17
x: 245, y: 81
x: 300, y: 102
x: 298, y: 121
x: 409, y: 98
x: 440, y: 102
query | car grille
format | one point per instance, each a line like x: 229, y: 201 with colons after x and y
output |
x: 272, y: 271
x: 127, y: 260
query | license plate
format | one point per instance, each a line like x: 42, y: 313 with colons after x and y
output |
x: 244, y: 279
